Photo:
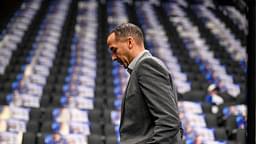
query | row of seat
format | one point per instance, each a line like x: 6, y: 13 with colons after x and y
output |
x: 151, y: 23
x: 15, y: 30
x: 231, y: 67
x: 81, y: 67
x: 198, y: 63
x: 115, y: 119
x: 235, y: 20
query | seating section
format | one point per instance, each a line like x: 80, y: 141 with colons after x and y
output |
x: 15, y: 30
x: 59, y: 85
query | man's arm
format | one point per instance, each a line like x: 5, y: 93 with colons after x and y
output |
x: 159, y: 95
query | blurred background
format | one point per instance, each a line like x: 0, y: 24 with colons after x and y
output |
x: 59, y: 85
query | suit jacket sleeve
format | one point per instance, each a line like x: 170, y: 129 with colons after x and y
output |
x: 156, y: 85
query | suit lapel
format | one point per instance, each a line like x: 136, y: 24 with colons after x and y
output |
x: 123, y: 103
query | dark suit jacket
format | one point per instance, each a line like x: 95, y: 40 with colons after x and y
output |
x: 149, y: 112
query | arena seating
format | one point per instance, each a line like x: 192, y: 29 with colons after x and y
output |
x: 59, y: 85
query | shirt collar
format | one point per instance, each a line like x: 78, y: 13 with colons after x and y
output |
x: 134, y: 61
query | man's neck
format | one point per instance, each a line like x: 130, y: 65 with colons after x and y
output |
x: 135, y: 59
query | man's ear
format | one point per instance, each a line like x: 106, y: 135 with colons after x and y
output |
x: 130, y: 42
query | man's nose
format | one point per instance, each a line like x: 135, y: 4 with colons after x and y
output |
x: 113, y: 57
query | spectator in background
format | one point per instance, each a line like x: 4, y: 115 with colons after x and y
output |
x: 213, y: 96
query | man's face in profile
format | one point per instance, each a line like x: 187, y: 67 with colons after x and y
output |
x: 119, y: 49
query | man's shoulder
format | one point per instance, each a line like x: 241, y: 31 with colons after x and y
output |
x: 154, y: 62
x: 149, y: 58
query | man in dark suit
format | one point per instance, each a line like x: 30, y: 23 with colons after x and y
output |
x: 149, y: 113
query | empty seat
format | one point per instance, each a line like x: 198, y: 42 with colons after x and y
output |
x: 231, y: 123
x: 211, y: 120
x: 95, y: 115
x: 95, y: 139
x: 111, y: 140
x: 28, y: 138
x: 40, y: 138
x: 109, y: 130
x: 3, y: 98
x: 98, y: 103
x: 46, y: 115
x: 194, y: 95
x: 195, y: 85
x: 231, y: 142
x: 241, y: 98
x: 220, y: 134
x: 110, y: 102
x: 46, y: 127
x: 227, y: 98
x: 96, y: 128
x: 107, y: 116
x: 241, y: 136
x: 45, y: 100
x: 32, y: 126
x: 35, y: 114
x: 206, y: 107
